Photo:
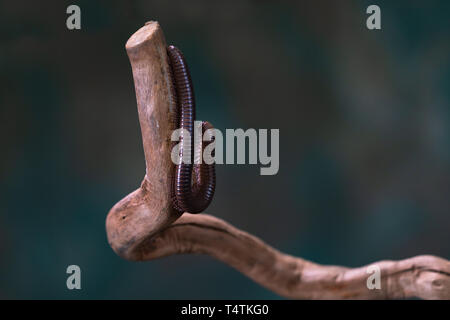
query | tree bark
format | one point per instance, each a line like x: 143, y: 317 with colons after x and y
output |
x: 144, y: 226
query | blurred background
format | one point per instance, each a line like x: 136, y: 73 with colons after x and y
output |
x: 364, y: 119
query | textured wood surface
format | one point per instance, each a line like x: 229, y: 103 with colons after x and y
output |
x: 143, y: 225
x: 149, y: 207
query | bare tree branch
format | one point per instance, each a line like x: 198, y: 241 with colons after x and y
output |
x: 144, y: 226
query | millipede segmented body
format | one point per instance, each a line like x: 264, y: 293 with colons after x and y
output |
x: 194, y: 182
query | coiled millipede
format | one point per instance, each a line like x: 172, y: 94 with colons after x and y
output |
x: 187, y: 196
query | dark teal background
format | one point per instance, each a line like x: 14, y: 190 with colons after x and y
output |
x: 364, y: 119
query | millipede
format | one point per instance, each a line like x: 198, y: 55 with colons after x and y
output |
x: 194, y: 182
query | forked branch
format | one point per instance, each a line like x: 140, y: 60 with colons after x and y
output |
x: 143, y: 225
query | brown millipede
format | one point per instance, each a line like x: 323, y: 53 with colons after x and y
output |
x: 191, y: 192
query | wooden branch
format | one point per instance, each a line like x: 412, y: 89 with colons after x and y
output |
x: 143, y: 225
